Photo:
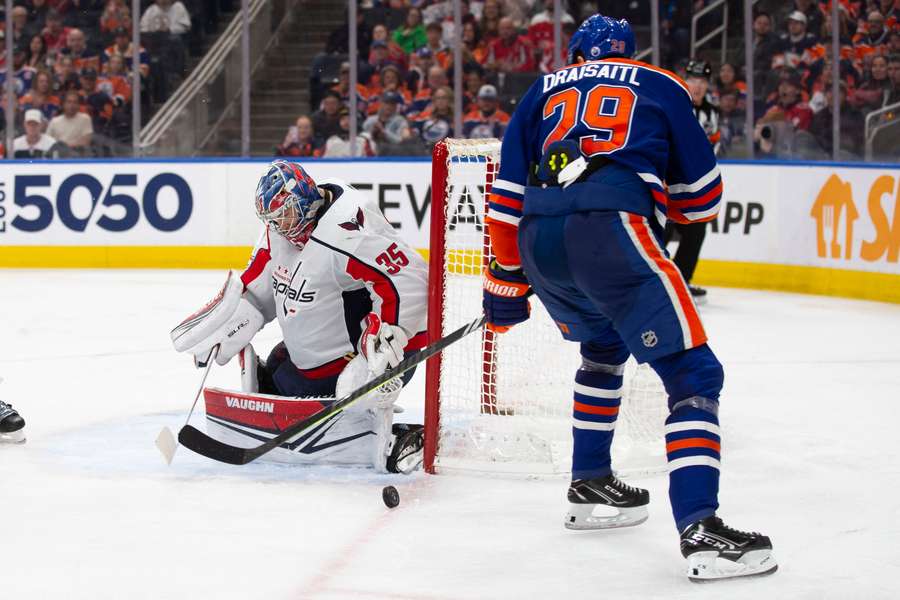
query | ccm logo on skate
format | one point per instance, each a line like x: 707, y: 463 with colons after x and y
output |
x: 255, y: 405
x: 81, y: 200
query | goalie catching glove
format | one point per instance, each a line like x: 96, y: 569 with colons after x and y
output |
x: 505, y: 298
x: 382, y: 344
x: 228, y: 320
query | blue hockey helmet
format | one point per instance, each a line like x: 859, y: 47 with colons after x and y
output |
x: 288, y: 201
x: 602, y: 37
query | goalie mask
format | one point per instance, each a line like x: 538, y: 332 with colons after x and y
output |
x: 288, y: 201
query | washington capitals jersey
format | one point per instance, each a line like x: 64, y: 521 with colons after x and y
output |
x: 635, y: 115
x: 354, y: 263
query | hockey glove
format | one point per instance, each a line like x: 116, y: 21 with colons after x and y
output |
x: 382, y: 344
x: 505, y: 299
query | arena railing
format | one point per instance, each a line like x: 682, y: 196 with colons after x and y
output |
x: 719, y: 30
x: 875, y: 124
x: 189, y: 117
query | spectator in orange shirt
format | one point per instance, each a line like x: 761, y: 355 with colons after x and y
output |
x: 300, y: 140
x: 891, y: 11
x: 54, y: 33
x: 114, y: 16
x: 390, y: 82
x: 439, y: 52
x: 727, y: 82
x: 875, y: 37
x: 486, y: 120
x: 511, y: 52
x: 76, y: 48
x: 41, y: 97
x: 116, y: 82
x: 473, y: 44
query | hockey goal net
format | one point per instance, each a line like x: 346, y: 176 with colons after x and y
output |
x: 503, y: 403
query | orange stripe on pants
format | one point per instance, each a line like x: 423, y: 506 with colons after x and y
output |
x: 671, y: 272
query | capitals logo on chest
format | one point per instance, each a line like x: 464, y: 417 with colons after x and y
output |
x: 291, y: 288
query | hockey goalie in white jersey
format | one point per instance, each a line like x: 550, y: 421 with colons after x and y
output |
x: 350, y: 297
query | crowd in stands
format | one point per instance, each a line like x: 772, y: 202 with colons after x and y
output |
x: 404, y: 99
x: 404, y: 104
x: 793, y: 76
x: 73, y: 65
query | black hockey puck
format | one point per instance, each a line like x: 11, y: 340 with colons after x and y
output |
x: 391, y: 496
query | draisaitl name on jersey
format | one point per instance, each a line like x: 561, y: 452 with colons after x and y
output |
x: 623, y: 73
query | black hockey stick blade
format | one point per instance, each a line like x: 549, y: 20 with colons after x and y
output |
x: 192, y: 438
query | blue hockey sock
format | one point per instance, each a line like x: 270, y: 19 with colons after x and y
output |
x: 692, y: 448
x: 598, y: 394
x: 693, y: 380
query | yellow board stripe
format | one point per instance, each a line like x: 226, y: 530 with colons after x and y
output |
x: 823, y: 281
x: 788, y: 278
x: 124, y: 257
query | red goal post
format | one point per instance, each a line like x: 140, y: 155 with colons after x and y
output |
x: 502, y: 403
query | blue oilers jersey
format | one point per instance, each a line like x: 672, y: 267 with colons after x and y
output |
x: 637, y: 116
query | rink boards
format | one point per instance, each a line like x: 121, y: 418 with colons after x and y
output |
x: 826, y: 228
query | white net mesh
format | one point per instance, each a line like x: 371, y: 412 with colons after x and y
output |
x: 505, y: 401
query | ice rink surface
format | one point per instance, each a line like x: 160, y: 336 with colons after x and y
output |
x: 89, y: 510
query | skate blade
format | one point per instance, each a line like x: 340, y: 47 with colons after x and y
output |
x: 15, y: 437
x: 581, y: 517
x: 709, y: 566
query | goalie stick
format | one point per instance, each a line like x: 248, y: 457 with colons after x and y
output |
x: 192, y: 438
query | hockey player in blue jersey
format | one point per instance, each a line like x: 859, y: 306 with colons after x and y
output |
x: 596, y: 158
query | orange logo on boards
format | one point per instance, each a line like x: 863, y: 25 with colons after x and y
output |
x: 835, y: 204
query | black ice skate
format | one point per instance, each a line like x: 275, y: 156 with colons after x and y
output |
x: 698, y: 294
x: 12, y: 426
x: 408, y: 448
x: 628, y: 503
x: 715, y: 551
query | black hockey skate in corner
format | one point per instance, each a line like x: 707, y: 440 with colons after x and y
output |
x: 11, y: 424
x: 607, y: 490
x: 749, y: 553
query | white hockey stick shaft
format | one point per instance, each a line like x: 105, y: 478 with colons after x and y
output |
x: 166, y: 441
